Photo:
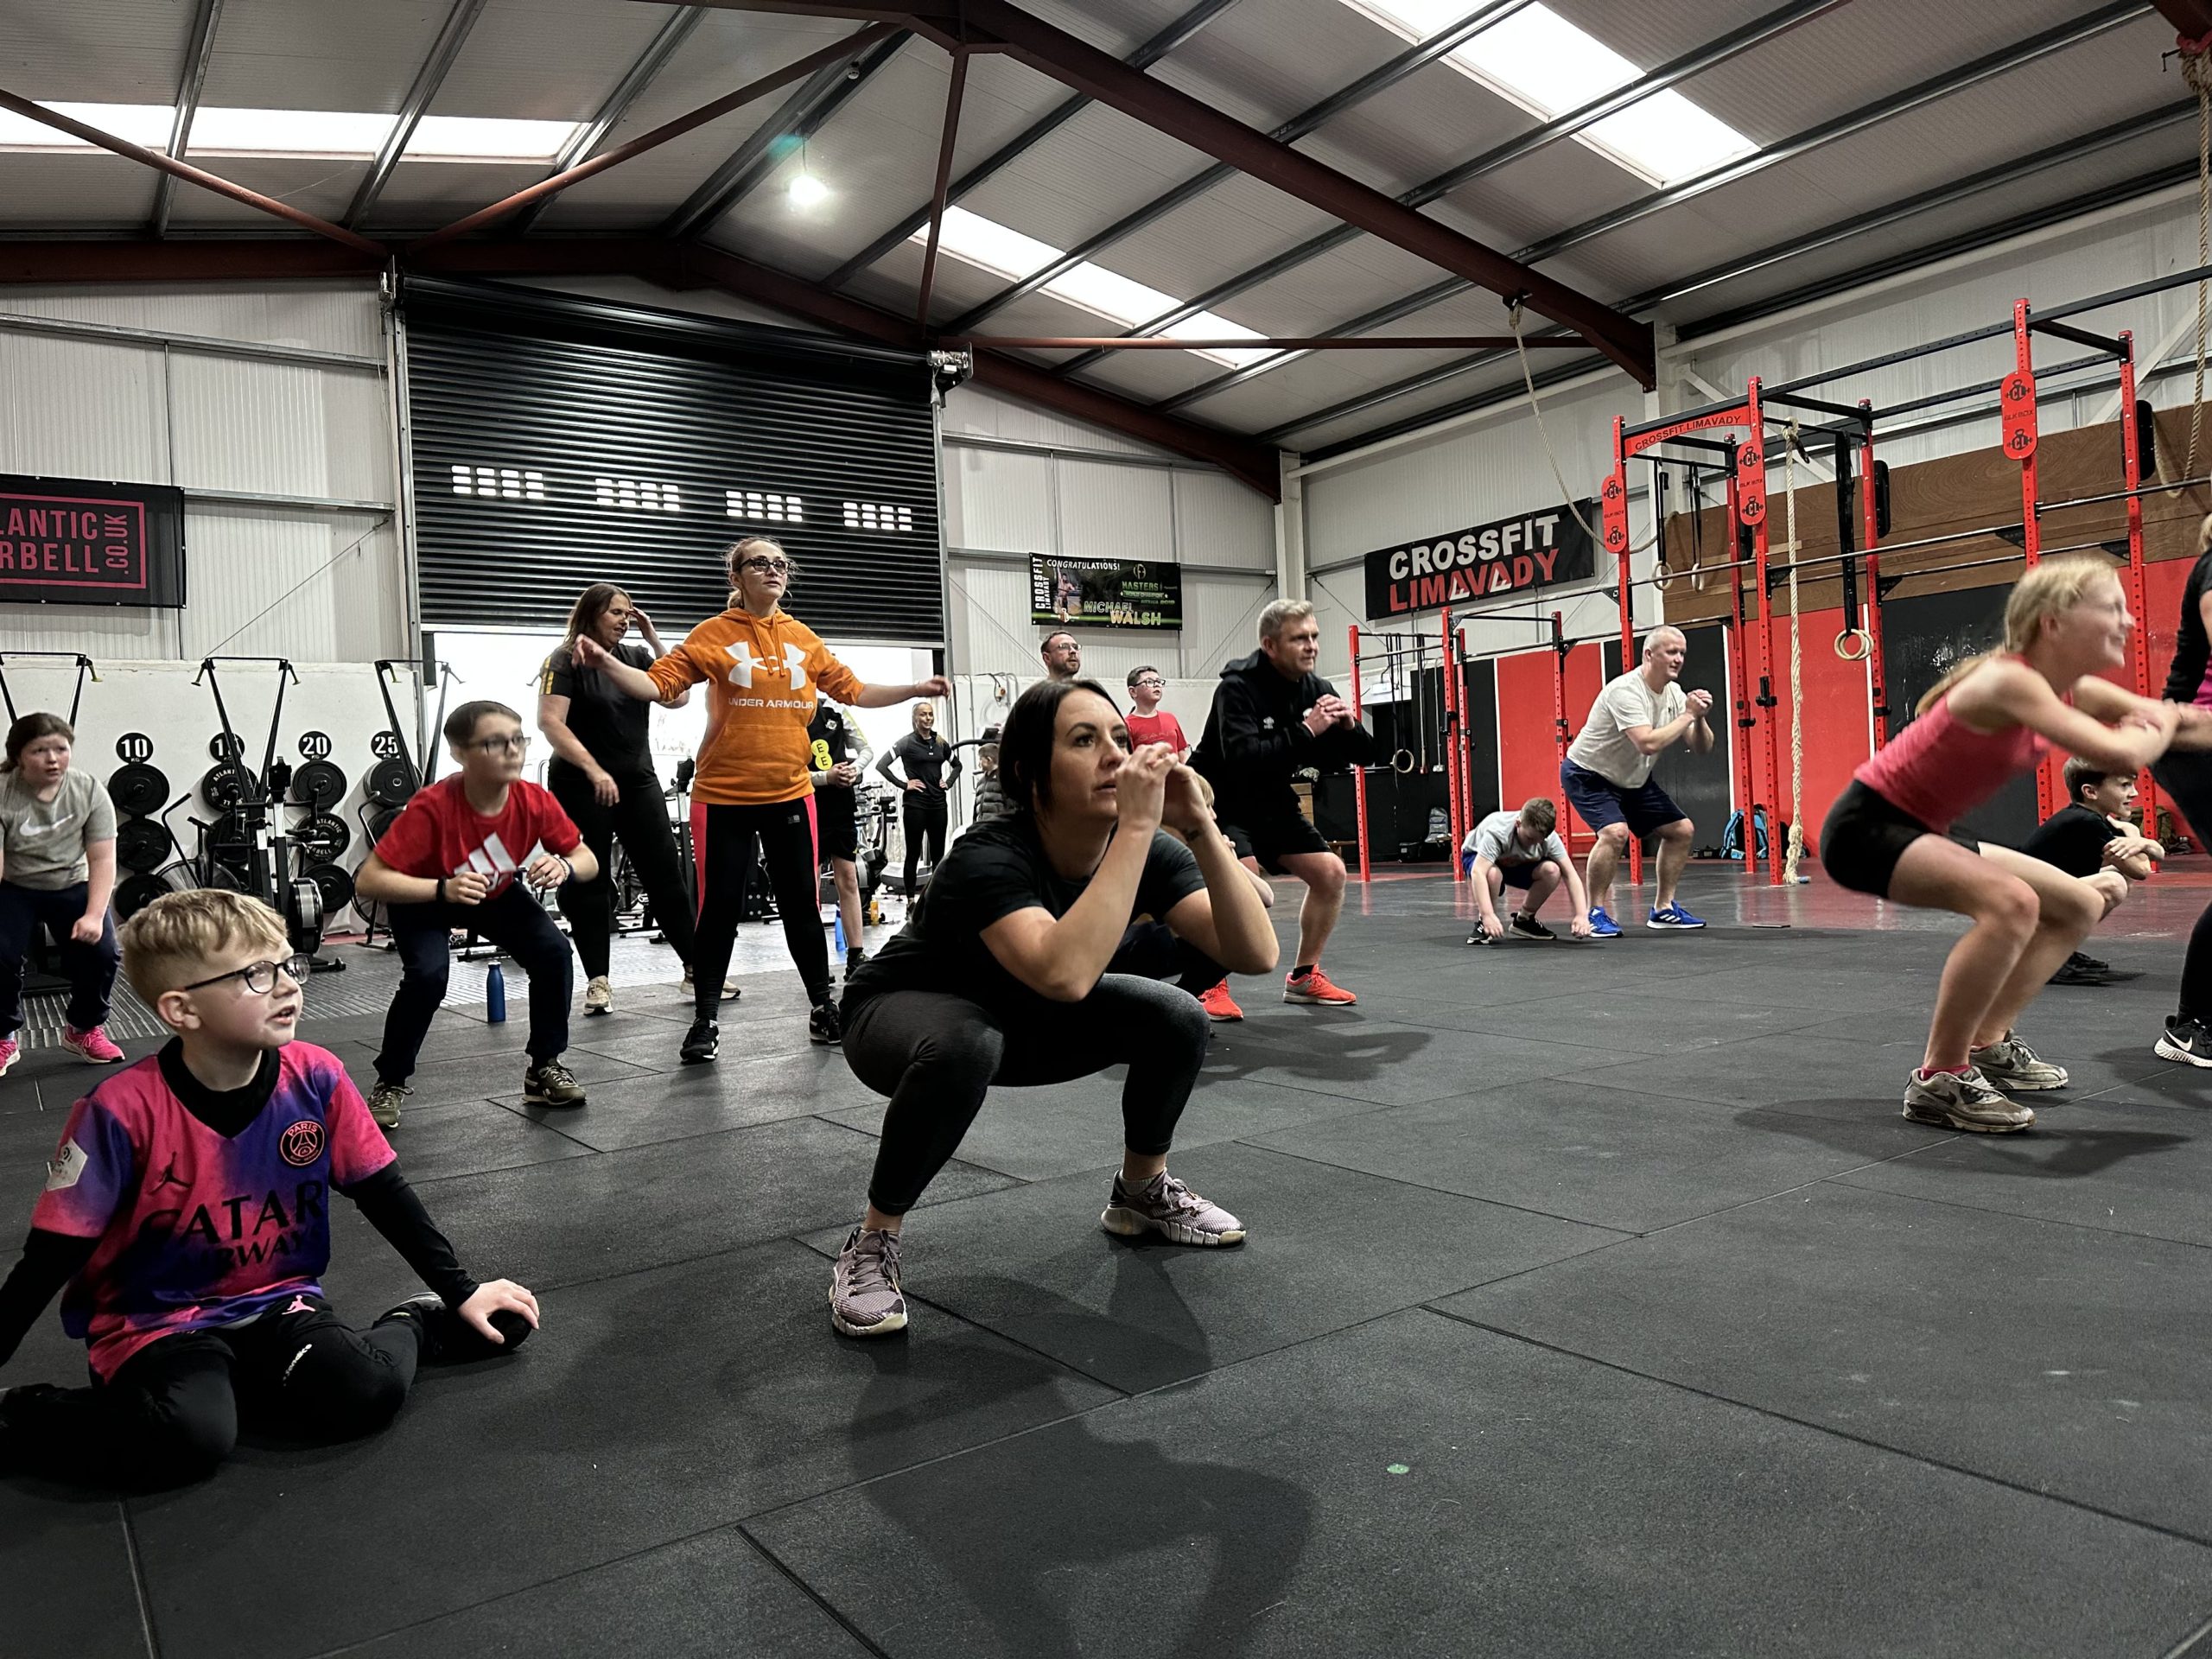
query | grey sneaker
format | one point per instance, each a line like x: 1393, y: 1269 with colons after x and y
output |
x: 1963, y: 1101
x: 1164, y: 1205
x: 552, y: 1084
x: 864, y: 1296
x: 599, y: 995
x: 384, y: 1102
x: 2011, y: 1063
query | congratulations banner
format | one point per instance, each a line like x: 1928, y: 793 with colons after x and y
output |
x: 1534, y: 550
x: 1104, y: 593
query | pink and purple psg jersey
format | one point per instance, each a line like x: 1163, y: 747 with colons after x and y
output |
x: 195, y: 1229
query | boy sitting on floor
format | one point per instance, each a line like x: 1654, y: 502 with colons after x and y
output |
x: 1521, y: 850
x: 188, y: 1210
x: 2093, y: 838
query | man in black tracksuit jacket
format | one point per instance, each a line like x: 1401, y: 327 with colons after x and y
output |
x: 1272, y: 715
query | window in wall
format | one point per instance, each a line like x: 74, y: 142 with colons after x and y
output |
x: 515, y: 484
x: 871, y: 515
x: 764, y: 504
x: 636, y: 495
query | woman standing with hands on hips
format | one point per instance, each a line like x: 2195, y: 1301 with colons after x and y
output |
x: 764, y: 666
x: 924, y: 757
x: 1000, y: 977
x: 57, y: 866
x: 602, y: 774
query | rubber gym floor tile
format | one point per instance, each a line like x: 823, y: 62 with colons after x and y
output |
x: 469, y: 1137
x: 703, y: 1597
x: 66, y: 1563
x: 2064, y: 1360
x: 750, y: 1402
x: 27, y: 1138
x: 646, y: 1206
x: 1351, y: 1054
x: 1035, y: 1135
x: 1328, y: 1248
x: 1443, y: 1505
x: 707, y: 1099
x: 2105, y: 1162
x: 656, y: 1045
x: 479, y: 1076
x: 1556, y: 1149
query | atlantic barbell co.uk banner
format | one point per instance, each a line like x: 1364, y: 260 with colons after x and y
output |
x: 1534, y: 550
x: 73, y: 541
x: 1105, y: 592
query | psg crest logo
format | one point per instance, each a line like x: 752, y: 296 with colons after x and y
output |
x: 302, y: 1144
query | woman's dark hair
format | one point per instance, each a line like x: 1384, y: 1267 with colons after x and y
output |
x: 27, y: 731
x: 590, y: 605
x: 1026, y: 744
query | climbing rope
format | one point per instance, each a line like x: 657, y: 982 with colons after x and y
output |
x: 1797, y: 848
x: 2196, y: 75
x: 1536, y: 407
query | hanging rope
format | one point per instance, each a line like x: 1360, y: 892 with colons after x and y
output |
x: 1797, y: 848
x: 2196, y: 75
x: 1536, y: 407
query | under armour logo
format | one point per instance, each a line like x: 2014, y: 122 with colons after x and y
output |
x: 743, y: 663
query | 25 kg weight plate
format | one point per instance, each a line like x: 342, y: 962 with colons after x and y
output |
x: 319, y: 785
x: 139, y: 790
x: 334, y: 883
x: 323, y: 838
x: 390, y: 782
x: 142, y: 844
x: 224, y: 787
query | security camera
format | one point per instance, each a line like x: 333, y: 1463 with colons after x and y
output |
x: 950, y: 371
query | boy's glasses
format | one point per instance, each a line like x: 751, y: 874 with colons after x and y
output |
x: 1156, y: 684
x: 514, y: 744
x: 260, y: 977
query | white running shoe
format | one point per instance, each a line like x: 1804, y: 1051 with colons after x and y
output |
x: 1956, y: 1100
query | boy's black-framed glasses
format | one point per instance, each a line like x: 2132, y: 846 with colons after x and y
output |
x: 260, y: 977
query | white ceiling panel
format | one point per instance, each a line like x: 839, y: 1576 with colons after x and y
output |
x: 1343, y: 283
x: 1085, y: 176
x: 1537, y: 195
x: 546, y: 60
x: 73, y: 191
x: 1148, y: 377
x: 1228, y: 230
x: 1404, y: 136
x: 1238, y: 63
x: 119, y: 52
x: 323, y: 188
x: 285, y: 54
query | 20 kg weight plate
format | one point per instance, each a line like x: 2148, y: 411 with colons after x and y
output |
x: 139, y: 790
x: 390, y: 782
x: 323, y: 838
x: 142, y: 844
x: 319, y: 785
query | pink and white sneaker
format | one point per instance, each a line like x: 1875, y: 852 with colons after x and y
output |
x: 91, y: 1045
x: 11, y: 1052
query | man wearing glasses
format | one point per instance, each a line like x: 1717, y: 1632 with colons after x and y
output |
x: 1146, y: 724
x: 460, y: 855
x: 1063, y: 657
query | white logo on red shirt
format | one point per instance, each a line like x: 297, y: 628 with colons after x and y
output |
x: 495, y: 863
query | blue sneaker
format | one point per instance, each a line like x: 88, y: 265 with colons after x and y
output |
x: 1603, y: 926
x: 1674, y: 916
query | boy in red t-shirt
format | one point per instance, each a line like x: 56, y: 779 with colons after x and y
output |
x: 1145, y: 723
x: 460, y: 856
x: 188, y: 1210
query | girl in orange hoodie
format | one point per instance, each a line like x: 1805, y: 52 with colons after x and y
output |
x: 763, y: 666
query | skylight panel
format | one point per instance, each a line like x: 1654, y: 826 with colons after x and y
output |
x: 142, y: 124
x: 1119, y: 299
x: 336, y: 134
x: 1549, y: 65
x: 481, y: 138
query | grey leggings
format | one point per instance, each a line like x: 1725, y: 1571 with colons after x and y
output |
x: 937, y: 1055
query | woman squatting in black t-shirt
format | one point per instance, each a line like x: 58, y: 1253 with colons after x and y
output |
x: 1001, y: 975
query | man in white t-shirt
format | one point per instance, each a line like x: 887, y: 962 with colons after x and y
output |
x: 1607, y: 775
x: 1521, y: 850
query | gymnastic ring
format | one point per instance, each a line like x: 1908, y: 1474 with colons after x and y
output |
x: 1403, y: 761
x: 1865, y: 645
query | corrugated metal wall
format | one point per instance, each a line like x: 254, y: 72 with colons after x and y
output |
x: 319, y: 583
x: 1019, y: 482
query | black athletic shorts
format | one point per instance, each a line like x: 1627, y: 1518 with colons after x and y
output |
x: 835, y: 832
x: 1865, y: 834
x: 1270, y: 833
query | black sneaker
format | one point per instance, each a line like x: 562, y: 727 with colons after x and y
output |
x: 854, y: 958
x: 2186, y: 1040
x: 822, y: 1026
x: 702, y: 1042
x: 2078, y: 969
x: 2094, y: 964
x: 1525, y: 926
x: 1480, y: 937
x: 449, y: 1339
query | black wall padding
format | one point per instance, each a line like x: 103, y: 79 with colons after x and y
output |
x: 1699, y: 783
x: 1922, y: 638
x: 579, y: 391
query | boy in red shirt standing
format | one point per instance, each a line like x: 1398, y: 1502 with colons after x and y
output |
x: 459, y: 856
x: 187, y: 1210
x: 1146, y: 723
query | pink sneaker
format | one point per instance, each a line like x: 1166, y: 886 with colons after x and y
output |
x: 91, y: 1045
x: 11, y: 1052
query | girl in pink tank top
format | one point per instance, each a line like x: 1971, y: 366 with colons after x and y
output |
x: 1985, y: 722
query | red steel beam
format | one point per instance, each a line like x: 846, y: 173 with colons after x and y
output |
x: 2192, y: 18
x: 190, y: 174
x: 850, y: 46
x: 944, y: 147
x: 1231, y: 343
x: 1104, y: 78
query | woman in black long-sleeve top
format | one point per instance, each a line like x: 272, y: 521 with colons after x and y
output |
x: 931, y: 767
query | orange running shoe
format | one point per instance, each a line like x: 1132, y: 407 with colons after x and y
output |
x: 1315, y: 988
x: 1220, y: 1006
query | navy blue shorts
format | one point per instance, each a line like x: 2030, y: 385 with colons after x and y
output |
x: 1514, y: 875
x: 1598, y: 801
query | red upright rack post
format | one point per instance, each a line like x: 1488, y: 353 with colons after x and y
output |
x: 1871, y: 535
x: 2018, y: 404
x: 2131, y: 467
x: 1358, y: 772
x: 1467, y: 730
x: 1451, y: 761
x: 1751, y: 504
x: 1612, y: 496
x: 1628, y: 662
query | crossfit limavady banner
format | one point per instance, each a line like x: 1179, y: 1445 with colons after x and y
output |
x: 71, y: 541
x: 1104, y: 593
x: 1464, y: 566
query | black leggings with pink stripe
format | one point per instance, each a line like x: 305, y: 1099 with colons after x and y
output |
x: 723, y: 841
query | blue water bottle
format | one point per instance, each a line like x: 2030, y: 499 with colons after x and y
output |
x: 495, y: 995
x: 837, y: 930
